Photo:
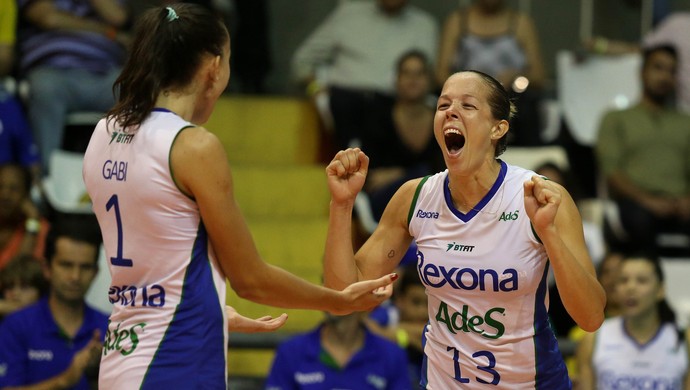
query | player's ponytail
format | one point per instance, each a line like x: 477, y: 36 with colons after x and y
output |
x: 167, y: 48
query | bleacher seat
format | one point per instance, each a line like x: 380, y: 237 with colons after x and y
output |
x: 266, y: 130
x: 272, y: 145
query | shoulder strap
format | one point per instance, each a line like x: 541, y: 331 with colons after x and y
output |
x: 414, y: 199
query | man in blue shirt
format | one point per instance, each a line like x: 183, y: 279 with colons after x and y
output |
x: 340, y: 354
x: 56, y: 343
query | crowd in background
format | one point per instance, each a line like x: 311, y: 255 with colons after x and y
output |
x: 373, y: 70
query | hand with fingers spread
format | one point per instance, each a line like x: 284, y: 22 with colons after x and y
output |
x: 542, y: 199
x: 239, y: 323
x: 346, y: 174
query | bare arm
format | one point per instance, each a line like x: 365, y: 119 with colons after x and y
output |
x: 200, y: 168
x: 619, y: 184
x: 45, y: 15
x: 382, y: 252
x: 239, y: 323
x: 447, y: 46
x: 585, y: 371
x: 557, y: 222
x: 111, y: 11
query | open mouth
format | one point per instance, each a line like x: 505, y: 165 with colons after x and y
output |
x: 454, y: 140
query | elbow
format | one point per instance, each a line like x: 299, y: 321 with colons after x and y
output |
x: 247, y: 288
x: 592, y: 324
x: 248, y: 293
x: 593, y: 320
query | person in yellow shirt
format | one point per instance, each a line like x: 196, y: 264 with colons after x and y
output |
x: 8, y: 35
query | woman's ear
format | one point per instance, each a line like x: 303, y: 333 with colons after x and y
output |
x: 211, y: 75
x: 500, y: 129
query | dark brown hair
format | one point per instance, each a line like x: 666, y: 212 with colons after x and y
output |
x: 502, y: 107
x: 169, y: 43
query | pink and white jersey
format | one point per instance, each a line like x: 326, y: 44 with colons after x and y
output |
x: 485, y: 276
x: 168, y: 327
x: 620, y: 362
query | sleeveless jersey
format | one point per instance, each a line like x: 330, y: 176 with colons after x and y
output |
x: 621, y: 363
x: 168, y: 326
x: 485, y: 275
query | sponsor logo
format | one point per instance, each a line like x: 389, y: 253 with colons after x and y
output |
x: 463, y: 321
x: 467, y: 278
x: 123, y: 340
x: 121, y: 138
x: 376, y: 381
x: 508, y: 216
x: 43, y: 355
x: 611, y: 380
x: 151, y: 296
x: 459, y: 247
x: 427, y: 214
x: 309, y: 378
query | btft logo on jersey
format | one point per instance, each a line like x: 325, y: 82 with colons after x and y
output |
x: 459, y: 247
x: 121, y: 138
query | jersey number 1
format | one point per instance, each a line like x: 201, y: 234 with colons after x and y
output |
x: 118, y: 260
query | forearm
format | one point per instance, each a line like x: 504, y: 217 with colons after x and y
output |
x: 46, y: 16
x: 111, y: 11
x: 277, y: 287
x: 620, y: 185
x: 581, y: 293
x: 339, y: 267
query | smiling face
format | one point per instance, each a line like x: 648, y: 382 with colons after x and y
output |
x: 639, y: 288
x: 465, y: 126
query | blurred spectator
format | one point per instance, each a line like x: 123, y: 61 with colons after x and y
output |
x: 22, y: 228
x: 608, y: 272
x: 594, y: 235
x: 339, y: 354
x: 673, y: 30
x: 56, y: 342
x: 411, y: 317
x: 490, y: 37
x: 21, y: 284
x: 70, y: 54
x: 400, y: 137
x: 358, y: 46
x: 16, y: 141
x: 641, y: 348
x: 8, y: 36
x: 643, y: 156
